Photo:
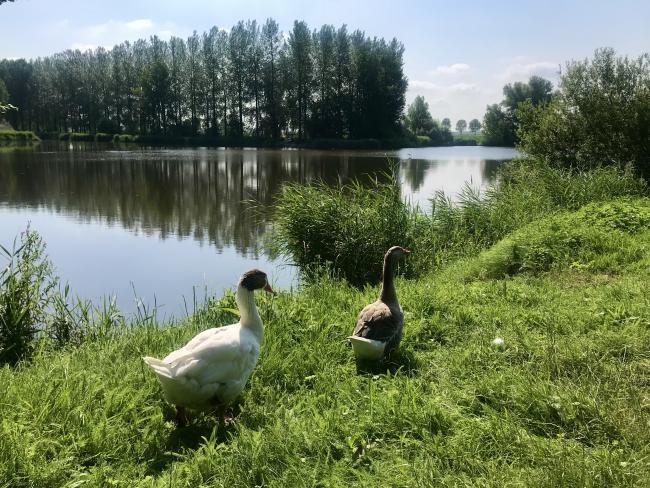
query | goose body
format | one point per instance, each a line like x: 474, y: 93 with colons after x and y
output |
x: 378, y: 331
x: 212, y: 369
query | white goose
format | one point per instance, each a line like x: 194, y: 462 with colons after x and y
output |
x: 212, y: 369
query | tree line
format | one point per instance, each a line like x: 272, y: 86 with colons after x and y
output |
x: 249, y: 81
x: 598, y: 115
x: 419, y: 122
x: 501, y: 120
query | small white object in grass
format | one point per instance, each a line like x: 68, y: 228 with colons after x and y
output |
x: 498, y: 342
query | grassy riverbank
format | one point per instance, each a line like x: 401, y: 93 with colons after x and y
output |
x: 564, y: 402
x: 11, y: 137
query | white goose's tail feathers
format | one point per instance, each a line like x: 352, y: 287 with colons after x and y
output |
x: 160, y: 367
x: 367, y: 348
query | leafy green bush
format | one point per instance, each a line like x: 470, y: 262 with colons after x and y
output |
x: 467, y: 140
x: 625, y: 215
x: 124, y: 138
x: 76, y: 137
x: 599, y: 116
x: 347, y: 228
x: 103, y: 137
x: 17, y: 137
x: 26, y: 287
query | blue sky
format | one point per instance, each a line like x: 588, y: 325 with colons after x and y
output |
x: 458, y: 54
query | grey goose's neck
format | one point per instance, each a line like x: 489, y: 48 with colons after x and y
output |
x: 388, y: 294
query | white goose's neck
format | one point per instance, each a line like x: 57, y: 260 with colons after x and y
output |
x: 249, y: 316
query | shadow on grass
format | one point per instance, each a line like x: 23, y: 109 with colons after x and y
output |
x: 202, y: 428
x: 402, y: 361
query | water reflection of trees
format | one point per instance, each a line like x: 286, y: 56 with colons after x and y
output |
x: 414, y: 171
x: 203, y: 194
x: 489, y: 169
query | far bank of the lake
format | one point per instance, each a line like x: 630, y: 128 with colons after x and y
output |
x: 18, y: 137
x: 258, y: 142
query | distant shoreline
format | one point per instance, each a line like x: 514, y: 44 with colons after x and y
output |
x: 9, y: 137
x: 210, y: 141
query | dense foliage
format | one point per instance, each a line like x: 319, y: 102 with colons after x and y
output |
x: 25, y: 285
x: 250, y: 81
x: 5, y: 106
x: 501, y: 120
x: 600, y: 115
x: 418, y: 118
x: 9, y: 136
x: 345, y: 228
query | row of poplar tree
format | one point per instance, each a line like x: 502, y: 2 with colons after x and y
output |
x: 249, y: 81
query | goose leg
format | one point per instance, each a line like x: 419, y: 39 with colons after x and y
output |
x: 181, y: 416
x: 223, y: 416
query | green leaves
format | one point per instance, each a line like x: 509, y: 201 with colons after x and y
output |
x: 600, y: 115
x: 26, y: 286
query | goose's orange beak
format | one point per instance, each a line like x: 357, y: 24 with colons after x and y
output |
x: 267, y: 288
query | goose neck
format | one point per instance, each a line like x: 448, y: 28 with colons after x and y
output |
x: 388, y: 293
x: 249, y: 316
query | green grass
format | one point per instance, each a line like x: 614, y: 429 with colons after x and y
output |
x: 26, y: 284
x: 564, y: 402
x: 527, y: 191
x: 8, y: 136
x: 467, y: 139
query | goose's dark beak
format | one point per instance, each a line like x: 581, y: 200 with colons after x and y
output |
x: 267, y: 288
x: 407, y: 251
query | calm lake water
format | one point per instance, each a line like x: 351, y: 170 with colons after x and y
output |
x: 161, y: 224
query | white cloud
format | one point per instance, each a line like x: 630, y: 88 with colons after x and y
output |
x: 113, y: 32
x: 464, y: 87
x: 139, y: 24
x: 423, y: 85
x: 522, y: 71
x: 457, y: 100
x: 452, y: 69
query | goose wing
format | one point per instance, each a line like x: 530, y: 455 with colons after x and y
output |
x: 216, y: 356
x: 378, y: 322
